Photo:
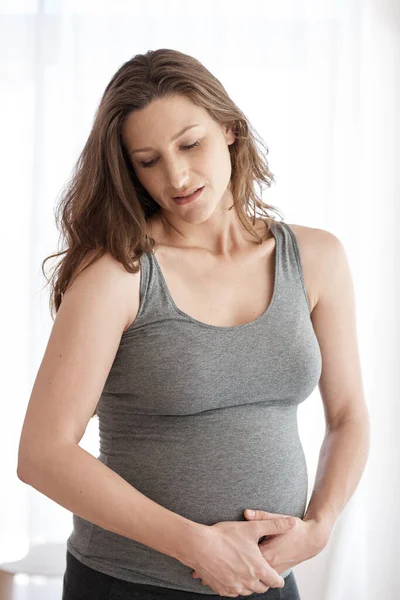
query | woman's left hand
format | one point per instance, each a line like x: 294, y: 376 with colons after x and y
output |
x: 284, y: 551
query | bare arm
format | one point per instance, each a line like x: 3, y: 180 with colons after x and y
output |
x: 85, y: 486
x: 342, y: 460
x: 82, y: 346
x: 345, y: 448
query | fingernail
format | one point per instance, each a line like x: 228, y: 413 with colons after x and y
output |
x: 251, y: 513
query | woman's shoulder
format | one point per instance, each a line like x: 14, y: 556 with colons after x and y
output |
x: 107, y: 271
x: 130, y: 283
x: 314, y: 245
x: 313, y: 241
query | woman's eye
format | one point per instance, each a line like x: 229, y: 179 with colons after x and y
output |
x: 152, y: 162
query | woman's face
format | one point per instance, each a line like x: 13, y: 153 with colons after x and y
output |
x: 176, y: 163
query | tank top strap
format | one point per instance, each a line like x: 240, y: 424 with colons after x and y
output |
x: 290, y: 269
x: 153, y: 304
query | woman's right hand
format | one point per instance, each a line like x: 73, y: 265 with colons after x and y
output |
x: 231, y: 563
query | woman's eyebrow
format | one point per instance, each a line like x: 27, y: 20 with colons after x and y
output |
x: 174, y: 137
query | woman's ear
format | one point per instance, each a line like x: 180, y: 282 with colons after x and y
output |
x: 229, y: 133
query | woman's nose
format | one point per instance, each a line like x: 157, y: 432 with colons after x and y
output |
x: 177, y: 174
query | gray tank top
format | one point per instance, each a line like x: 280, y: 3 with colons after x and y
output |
x: 202, y: 419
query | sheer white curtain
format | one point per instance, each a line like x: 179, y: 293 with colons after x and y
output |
x: 319, y: 80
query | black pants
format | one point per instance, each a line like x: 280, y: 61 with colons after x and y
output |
x: 83, y: 583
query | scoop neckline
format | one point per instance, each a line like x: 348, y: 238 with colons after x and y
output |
x: 228, y: 327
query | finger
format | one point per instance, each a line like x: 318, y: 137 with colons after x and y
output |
x: 273, y: 526
x: 263, y: 514
x: 272, y: 576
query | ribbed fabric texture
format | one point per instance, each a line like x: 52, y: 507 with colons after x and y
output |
x: 202, y: 419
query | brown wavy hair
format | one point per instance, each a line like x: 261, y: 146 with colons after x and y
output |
x: 104, y: 207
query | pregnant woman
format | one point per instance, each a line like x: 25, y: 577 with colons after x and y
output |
x: 193, y: 324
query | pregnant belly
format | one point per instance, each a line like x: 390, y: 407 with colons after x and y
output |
x: 214, y: 478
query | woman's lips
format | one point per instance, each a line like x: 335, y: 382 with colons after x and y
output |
x: 190, y: 198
